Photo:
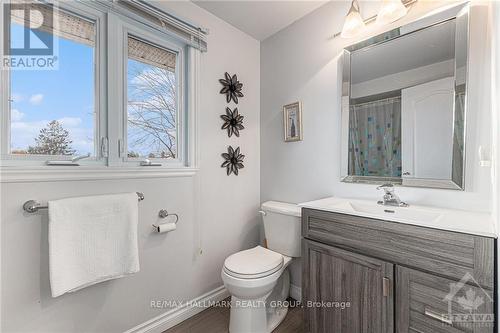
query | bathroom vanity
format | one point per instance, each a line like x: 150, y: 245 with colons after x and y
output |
x: 374, y: 268
x: 385, y: 267
x: 382, y: 267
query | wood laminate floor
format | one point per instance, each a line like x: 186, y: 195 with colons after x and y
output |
x: 216, y: 320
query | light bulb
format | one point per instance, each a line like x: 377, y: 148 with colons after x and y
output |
x: 391, y: 10
x: 353, y: 23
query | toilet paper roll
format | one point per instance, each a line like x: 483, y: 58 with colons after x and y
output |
x: 166, y: 227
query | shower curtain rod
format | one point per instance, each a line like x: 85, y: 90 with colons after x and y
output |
x: 378, y: 100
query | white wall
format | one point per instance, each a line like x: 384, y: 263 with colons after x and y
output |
x: 494, y: 21
x: 170, y: 267
x: 301, y: 63
x: 495, y: 76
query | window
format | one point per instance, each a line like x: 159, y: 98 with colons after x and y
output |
x: 52, y: 110
x: 117, y: 87
x: 152, y: 101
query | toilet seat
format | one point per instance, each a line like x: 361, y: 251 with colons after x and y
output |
x: 253, y: 263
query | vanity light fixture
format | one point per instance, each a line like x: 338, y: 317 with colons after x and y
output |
x: 391, y: 10
x: 353, y: 23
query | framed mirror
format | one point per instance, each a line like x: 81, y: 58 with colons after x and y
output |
x: 404, y: 97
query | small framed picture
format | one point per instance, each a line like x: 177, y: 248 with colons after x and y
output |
x: 292, y: 121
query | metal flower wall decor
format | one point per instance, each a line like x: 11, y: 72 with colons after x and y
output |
x: 231, y: 87
x: 233, y: 160
x: 233, y: 122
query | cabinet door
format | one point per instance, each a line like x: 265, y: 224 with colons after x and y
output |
x: 345, y: 292
x: 427, y: 303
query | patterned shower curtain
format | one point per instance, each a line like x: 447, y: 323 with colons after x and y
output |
x: 375, y: 138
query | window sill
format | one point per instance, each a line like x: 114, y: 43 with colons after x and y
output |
x: 52, y: 173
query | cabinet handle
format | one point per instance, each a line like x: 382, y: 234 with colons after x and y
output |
x: 386, y: 286
x: 437, y: 316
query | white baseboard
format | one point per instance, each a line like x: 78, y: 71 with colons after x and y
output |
x: 295, y: 292
x: 176, y: 316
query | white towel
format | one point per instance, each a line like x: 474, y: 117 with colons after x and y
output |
x: 92, y: 239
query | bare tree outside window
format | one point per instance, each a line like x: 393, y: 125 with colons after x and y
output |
x: 152, y: 110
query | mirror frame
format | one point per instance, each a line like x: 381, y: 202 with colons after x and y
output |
x: 461, y: 14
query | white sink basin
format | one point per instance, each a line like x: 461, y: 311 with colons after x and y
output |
x: 390, y: 212
x: 476, y: 223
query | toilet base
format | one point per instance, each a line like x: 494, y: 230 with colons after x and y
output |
x: 261, y: 315
x: 276, y: 303
x: 248, y: 316
x: 277, y: 317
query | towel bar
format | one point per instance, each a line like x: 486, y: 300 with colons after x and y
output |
x: 32, y: 206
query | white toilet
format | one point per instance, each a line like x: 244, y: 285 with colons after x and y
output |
x: 258, y: 278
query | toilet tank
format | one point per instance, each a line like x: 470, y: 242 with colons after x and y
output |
x: 282, y: 227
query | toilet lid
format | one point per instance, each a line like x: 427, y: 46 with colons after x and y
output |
x: 253, y: 263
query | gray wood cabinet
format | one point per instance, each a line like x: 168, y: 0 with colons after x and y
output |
x: 422, y: 299
x: 347, y: 292
x: 395, y: 277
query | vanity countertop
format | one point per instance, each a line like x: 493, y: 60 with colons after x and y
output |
x: 468, y: 222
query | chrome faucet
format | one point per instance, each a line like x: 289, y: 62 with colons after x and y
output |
x: 390, y: 198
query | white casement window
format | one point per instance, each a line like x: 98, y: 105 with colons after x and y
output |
x: 153, y: 95
x: 48, y: 114
x: 154, y: 100
x: 122, y: 94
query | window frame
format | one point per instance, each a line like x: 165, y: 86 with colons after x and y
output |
x: 143, y: 34
x: 111, y: 107
x: 8, y: 159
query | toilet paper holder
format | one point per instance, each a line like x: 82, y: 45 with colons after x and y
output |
x: 163, y: 213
